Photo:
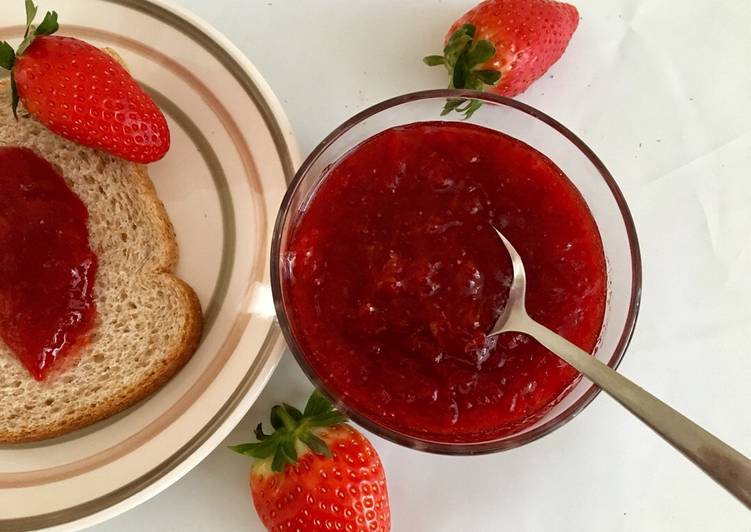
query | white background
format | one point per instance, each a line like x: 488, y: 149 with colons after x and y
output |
x: 661, y: 90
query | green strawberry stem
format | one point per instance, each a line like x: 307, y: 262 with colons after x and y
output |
x: 290, y: 426
x: 8, y: 56
x: 462, y: 56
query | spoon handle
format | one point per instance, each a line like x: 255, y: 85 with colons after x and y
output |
x: 725, y: 465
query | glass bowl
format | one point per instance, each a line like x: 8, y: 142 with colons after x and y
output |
x: 549, y: 137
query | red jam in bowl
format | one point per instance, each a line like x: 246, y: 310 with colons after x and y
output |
x: 393, y: 275
x: 47, y: 269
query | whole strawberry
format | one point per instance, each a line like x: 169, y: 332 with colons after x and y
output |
x: 506, y: 44
x: 316, y: 473
x: 81, y: 93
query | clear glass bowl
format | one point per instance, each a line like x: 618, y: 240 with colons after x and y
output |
x: 549, y: 137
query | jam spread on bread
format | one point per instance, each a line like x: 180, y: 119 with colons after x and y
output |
x: 47, y: 268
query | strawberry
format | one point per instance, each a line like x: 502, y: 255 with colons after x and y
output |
x: 505, y: 44
x: 83, y: 94
x: 316, y: 473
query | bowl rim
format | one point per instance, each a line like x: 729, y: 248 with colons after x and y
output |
x: 461, y: 448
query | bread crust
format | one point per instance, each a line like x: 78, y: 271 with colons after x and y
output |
x: 178, y: 358
x: 160, y: 271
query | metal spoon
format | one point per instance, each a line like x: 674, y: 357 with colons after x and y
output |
x: 725, y: 465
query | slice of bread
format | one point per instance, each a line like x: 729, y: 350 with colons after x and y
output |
x: 149, y: 321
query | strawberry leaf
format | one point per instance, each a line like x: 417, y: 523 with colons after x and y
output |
x: 7, y: 56
x: 469, y: 108
x: 463, y: 56
x: 483, y: 51
x: 31, y: 13
x: 260, y: 450
x: 488, y: 77
x: 276, y: 417
x: 290, y: 453
x: 259, y: 433
x: 458, y: 45
x: 279, y: 460
x: 434, y: 60
x: 461, y: 105
x: 451, y: 104
x: 290, y: 426
x: 317, y: 404
x: 293, y: 412
x: 461, y: 74
x: 465, y: 30
x: 328, y: 419
x: 49, y: 25
x: 14, y: 99
x: 316, y: 444
x: 474, y: 82
x: 243, y: 448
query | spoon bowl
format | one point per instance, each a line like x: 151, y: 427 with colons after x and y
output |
x: 514, y: 314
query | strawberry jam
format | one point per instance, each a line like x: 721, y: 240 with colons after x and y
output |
x: 394, y: 275
x: 47, y: 268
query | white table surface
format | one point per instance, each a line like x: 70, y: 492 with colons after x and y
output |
x: 663, y: 95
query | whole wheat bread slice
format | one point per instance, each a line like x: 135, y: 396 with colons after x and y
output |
x: 149, y: 321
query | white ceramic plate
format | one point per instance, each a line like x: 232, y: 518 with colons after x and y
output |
x: 222, y: 182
